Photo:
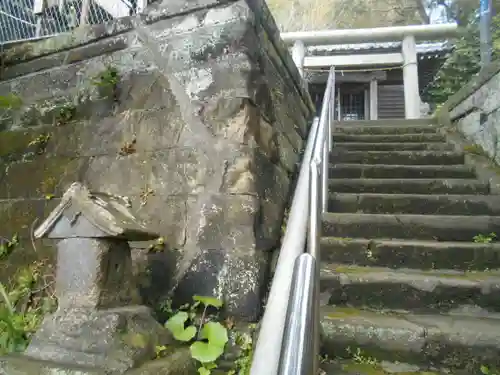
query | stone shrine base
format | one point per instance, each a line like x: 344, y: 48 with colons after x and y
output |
x: 109, y: 341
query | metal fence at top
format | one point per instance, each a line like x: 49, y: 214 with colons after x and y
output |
x: 30, y: 19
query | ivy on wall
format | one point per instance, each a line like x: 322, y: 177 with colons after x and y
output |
x: 463, y: 63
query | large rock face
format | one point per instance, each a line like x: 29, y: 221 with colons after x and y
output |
x: 202, y: 130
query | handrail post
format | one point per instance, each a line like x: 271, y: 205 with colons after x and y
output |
x: 282, y: 346
x: 298, y: 350
x: 324, y: 177
x: 313, y: 248
x: 268, y: 347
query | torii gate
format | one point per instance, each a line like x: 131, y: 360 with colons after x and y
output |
x: 407, y: 57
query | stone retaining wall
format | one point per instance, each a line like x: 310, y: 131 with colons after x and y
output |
x: 475, y: 111
x: 203, y: 132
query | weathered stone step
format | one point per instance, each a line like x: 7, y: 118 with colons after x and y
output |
x: 397, y: 157
x: 415, y: 204
x: 393, y: 146
x: 360, y: 364
x: 391, y: 138
x: 387, y: 122
x: 400, y: 171
x: 454, y: 342
x: 465, y: 256
x: 422, y: 227
x: 409, y: 289
x: 408, y: 186
x: 369, y: 129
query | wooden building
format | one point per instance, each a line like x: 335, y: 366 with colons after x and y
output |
x: 367, y: 89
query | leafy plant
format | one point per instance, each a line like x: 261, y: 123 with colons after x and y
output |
x: 107, y: 81
x: 359, y: 357
x: 485, y: 370
x: 7, y: 246
x: 108, y: 77
x: 22, y: 308
x: 157, y: 246
x: 244, y: 360
x: 208, y: 339
x: 10, y: 101
x: 463, y: 63
x: 128, y: 148
x: 40, y: 142
x: 65, y: 114
x: 484, y: 238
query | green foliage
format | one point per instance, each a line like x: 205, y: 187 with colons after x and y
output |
x: 157, y: 246
x: 10, y: 101
x: 107, y: 82
x: 208, y: 301
x: 484, y: 238
x: 487, y: 371
x: 176, y: 325
x: 463, y: 63
x: 244, y: 361
x: 65, y: 114
x: 40, y: 142
x: 214, y: 336
x: 7, y: 246
x: 22, y: 308
x: 208, y: 339
x: 359, y: 357
x: 108, y: 77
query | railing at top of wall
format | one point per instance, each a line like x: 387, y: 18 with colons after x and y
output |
x: 23, y: 20
x: 285, y: 345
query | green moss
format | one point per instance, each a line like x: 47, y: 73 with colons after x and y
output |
x: 363, y: 368
x: 376, y: 369
x: 343, y: 312
x: 14, y: 143
x: 469, y: 275
x: 475, y: 149
x: 39, y: 177
x: 10, y: 101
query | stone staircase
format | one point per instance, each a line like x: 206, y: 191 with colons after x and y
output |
x: 406, y: 284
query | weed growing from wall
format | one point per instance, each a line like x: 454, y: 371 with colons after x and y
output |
x: 107, y: 83
x: 23, y: 303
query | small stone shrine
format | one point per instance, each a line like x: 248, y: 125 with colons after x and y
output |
x: 99, y: 323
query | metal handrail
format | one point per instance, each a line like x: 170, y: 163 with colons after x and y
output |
x: 285, y: 345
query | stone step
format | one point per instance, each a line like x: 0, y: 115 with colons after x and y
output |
x: 409, y: 289
x: 398, y: 157
x: 421, y: 227
x: 465, y: 256
x: 389, y: 138
x: 379, y: 129
x: 399, y: 171
x: 361, y: 364
x: 457, y: 343
x: 393, y: 146
x: 408, y: 186
x: 415, y: 204
x: 387, y: 122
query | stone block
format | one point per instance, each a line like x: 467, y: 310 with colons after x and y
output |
x: 40, y: 177
x: 19, y: 216
x: 153, y: 130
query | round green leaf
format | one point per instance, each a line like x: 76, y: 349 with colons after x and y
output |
x: 204, y: 371
x: 186, y: 335
x: 205, y: 352
x: 208, y: 301
x: 176, y: 326
x: 215, y: 333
